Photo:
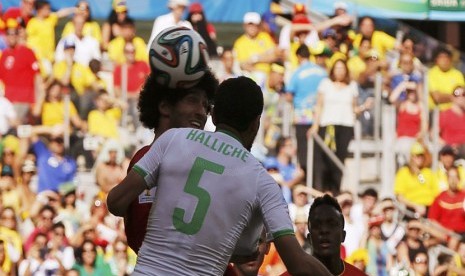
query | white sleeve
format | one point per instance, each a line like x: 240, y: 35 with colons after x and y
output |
x: 59, y: 51
x: 148, y: 167
x: 273, y: 207
x: 155, y: 30
x: 285, y: 37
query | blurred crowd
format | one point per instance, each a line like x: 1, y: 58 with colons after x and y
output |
x: 68, y: 109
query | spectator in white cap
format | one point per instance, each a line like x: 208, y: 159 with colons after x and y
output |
x: 255, y: 50
x: 173, y: 18
x: 340, y: 7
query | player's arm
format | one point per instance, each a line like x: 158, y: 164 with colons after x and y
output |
x: 296, y: 260
x: 121, y: 196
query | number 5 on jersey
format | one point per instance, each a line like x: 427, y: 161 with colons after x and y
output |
x: 192, y: 187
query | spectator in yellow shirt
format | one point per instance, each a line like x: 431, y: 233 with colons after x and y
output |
x: 41, y: 33
x: 128, y: 34
x: 443, y: 78
x: 91, y: 27
x: 255, y: 50
x: 380, y: 41
x: 104, y: 119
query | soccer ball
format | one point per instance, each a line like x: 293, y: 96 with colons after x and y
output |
x: 178, y: 57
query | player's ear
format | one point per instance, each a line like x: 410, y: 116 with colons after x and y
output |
x: 343, y: 236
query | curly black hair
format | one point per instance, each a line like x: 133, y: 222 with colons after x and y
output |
x: 152, y: 94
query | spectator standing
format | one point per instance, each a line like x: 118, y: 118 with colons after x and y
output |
x: 334, y: 120
x: 112, y: 28
x: 443, y: 78
x: 91, y: 28
x: 415, y: 184
x: 362, y: 211
x: 137, y: 71
x: 302, y: 91
x: 54, y: 167
x: 392, y: 230
x: 86, y: 46
x: 19, y: 72
x: 128, y: 34
x: 173, y: 18
x: 452, y: 123
x: 229, y: 68
x: 406, y: 93
x: 206, y: 30
x: 41, y: 33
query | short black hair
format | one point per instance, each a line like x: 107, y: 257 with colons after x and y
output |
x: 238, y: 102
x: 442, y: 50
x: 152, y: 94
x: 303, y: 51
x: 326, y: 199
x: 39, y: 4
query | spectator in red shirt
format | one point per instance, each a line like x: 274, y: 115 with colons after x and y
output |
x: 447, y: 208
x: 21, y: 14
x: 137, y: 72
x: 19, y: 72
x: 452, y: 122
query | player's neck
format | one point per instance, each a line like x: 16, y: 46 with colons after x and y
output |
x: 334, y: 264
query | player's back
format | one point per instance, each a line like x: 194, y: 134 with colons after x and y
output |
x: 209, y: 186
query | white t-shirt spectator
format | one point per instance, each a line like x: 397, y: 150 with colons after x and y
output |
x: 7, y: 115
x: 87, y: 48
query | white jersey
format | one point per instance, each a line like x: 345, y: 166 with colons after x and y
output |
x: 209, y: 188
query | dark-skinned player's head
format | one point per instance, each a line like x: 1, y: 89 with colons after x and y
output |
x: 326, y: 227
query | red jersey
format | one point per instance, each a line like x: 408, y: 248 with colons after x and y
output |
x: 408, y: 125
x: 18, y: 68
x: 449, y: 211
x: 137, y: 73
x: 349, y: 270
x: 452, y: 127
x: 135, y: 221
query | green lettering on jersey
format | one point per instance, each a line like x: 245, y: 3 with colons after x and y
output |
x: 245, y: 155
x: 205, y: 143
x: 191, y: 134
x: 192, y: 187
x: 226, y: 150
x: 236, y: 152
x: 200, y: 137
